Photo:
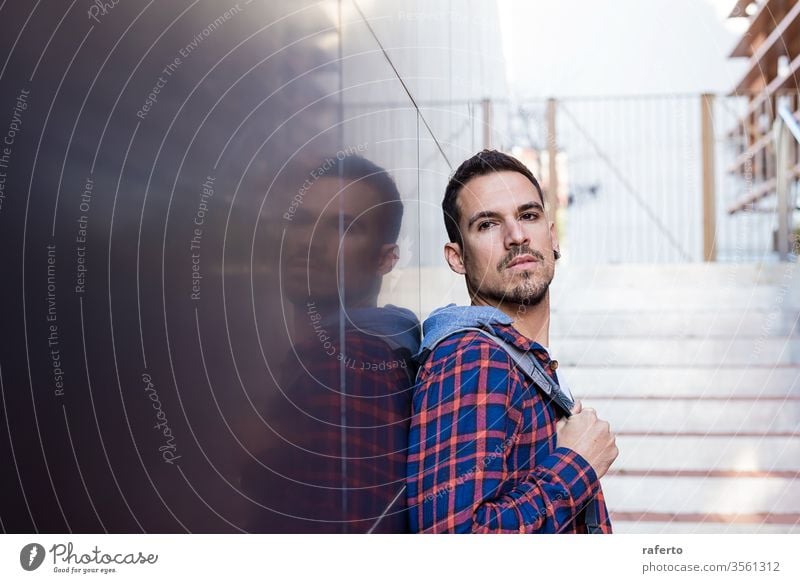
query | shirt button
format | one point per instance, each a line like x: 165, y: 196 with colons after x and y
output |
x: 553, y: 364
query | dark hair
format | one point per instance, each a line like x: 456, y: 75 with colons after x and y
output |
x: 483, y: 163
x: 357, y: 168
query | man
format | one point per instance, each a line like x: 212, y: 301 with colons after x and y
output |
x: 488, y: 451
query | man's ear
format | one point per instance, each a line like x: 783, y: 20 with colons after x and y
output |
x: 554, y: 240
x: 454, y: 257
x: 389, y: 255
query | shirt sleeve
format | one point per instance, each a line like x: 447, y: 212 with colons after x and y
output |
x: 467, y: 419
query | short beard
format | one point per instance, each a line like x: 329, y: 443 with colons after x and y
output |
x: 529, y: 292
x: 526, y: 293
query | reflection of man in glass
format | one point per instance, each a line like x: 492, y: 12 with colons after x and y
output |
x: 343, y: 402
x: 345, y: 224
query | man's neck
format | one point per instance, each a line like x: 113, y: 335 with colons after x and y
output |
x: 533, y: 322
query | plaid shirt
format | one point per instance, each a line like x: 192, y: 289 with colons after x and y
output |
x: 482, y: 446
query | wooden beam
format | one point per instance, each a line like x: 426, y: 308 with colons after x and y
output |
x: 758, y: 29
x: 764, y: 190
x: 777, y: 43
x: 750, y: 153
x: 552, y: 152
x: 486, y: 106
x: 709, y: 182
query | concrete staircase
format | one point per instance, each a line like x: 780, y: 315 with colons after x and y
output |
x: 697, y: 367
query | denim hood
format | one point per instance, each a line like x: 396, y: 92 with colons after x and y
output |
x: 444, y: 321
x: 398, y: 327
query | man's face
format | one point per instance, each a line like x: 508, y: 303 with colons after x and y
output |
x: 508, y: 241
x: 316, y: 250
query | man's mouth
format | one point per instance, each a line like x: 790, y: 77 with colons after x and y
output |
x: 521, y: 262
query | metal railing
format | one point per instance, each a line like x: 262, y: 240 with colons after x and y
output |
x: 626, y: 172
x: 786, y: 129
x: 663, y: 178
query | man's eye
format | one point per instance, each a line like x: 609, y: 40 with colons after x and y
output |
x: 530, y: 216
x: 484, y: 225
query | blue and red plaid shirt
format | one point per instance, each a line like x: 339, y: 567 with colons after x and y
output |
x: 482, y: 446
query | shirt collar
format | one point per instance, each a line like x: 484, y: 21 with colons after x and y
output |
x: 510, y: 334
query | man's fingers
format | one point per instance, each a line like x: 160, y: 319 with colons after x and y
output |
x: 577, y: 407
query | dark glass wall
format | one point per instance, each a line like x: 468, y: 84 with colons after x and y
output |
x: 219, y: 226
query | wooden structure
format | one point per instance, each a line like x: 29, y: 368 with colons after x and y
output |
x: 772, y: 45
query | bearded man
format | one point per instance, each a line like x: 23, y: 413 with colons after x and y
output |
x: 497, y: 444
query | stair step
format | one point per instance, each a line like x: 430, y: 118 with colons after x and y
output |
x: 680, y: 276
x: 699, y: 417
x: 662, y: 473
x: 567, y: 324
x: 704, y: 496
x: 587, y: 297
x: 769, y: 454
x: 710, y: 381
x: 644, y: 524
x: 765, y: 352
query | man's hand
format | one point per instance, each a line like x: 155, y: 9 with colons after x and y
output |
x: 588, y: 436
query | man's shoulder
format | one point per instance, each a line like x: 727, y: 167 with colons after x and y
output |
x: 466, y: 363
x: 465, y: 347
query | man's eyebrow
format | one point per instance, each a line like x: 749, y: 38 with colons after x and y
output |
x: 493, y: 214
x: 482, y: 215
x: 530, y: 205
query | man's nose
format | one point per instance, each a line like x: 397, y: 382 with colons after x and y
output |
x: 515, y: 235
